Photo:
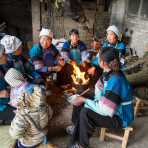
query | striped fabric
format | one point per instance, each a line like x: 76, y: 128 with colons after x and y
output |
x: 30, y: 124
x: 108, y: 107
x: 14, y: 78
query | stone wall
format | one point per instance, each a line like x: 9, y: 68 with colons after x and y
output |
x: 138, y: 25
x: 140, y: 33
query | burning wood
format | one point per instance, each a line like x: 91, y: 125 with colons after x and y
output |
x: 79, y: 77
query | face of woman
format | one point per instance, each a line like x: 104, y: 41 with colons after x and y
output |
x: 111, y: 37
x: 18, y: 52
x: 74, y: 39
x: 45, y: 42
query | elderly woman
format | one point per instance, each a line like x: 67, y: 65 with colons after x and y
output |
x: 14, y: 52
x: 113, y: 40
x: 112, y: 105
x: 45, y: 49
x: 6, y: 111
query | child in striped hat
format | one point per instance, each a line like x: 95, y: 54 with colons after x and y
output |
x: 30, y: 124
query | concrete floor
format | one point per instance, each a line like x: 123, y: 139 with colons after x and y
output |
x: 138, y: 139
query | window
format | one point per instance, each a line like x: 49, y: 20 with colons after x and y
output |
x: 138, y: 8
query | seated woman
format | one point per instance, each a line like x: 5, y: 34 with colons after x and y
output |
x: 45, y: 49
x: 6, y: 111
x: 113, y: 40
x: 74, y: 49
x: 112, y: 105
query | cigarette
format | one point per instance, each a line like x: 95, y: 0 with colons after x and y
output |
x: 84, y: 92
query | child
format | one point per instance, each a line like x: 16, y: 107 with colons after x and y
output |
x: 30, y: 124
x: 64, y: 75
x: 112, y: 105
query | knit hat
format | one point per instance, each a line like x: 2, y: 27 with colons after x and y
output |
x: 14, y: 78
x: 11, y: 43
x: 114, y: 29
x: 2, y: 50
x: 109, y: 54
x: 46, y: 32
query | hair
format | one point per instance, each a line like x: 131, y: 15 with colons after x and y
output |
x: 111, y: 57
x: 74, y: 31
x: 114, y: 65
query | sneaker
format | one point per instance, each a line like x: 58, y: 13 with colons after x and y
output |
x: 70, y: 129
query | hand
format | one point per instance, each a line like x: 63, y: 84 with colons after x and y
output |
x: 91, y: 71
x: 73, y: 62
x: 55, y: 68
x: 49, y: 69
x: 78, y: 101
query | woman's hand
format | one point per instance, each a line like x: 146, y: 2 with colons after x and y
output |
x: 91, y: 71
x: 55, y: 68
x: 78, y: 101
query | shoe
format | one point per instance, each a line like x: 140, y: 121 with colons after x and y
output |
x: 70, y: 129
x: 76, y: 145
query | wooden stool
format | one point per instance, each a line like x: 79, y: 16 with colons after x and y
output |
x: 140, y: 104
x: 123, y: 138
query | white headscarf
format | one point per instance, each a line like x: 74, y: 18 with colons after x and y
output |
x: 11, y: 43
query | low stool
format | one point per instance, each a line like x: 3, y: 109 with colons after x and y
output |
x: 105, y: 133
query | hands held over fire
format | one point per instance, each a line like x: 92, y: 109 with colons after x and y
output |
x: 55, y: 68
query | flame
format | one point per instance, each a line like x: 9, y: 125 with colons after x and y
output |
x: 78, y: 76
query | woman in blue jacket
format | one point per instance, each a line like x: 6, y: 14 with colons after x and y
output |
x: 74, y: 49
x: 112, y: 105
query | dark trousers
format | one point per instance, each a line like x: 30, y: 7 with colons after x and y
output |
x: 76, y: 114
x: 86, y: 123
x: 7, y: 115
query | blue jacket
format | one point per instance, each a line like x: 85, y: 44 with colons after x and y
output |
x: 119, y: 45
x: 77, y: 53
x: 113, y: 96
x: 3, y: 101
x: 48, y: 55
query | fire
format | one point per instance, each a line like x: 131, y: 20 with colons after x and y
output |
x: 78, y: 76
